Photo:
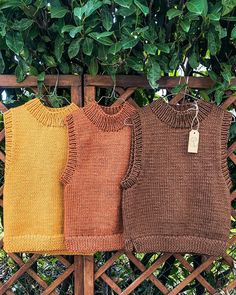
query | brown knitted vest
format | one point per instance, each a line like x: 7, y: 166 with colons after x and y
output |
x: 99, y: 151
x: 175, y: 201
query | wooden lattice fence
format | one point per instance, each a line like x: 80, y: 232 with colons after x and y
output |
x: 102, y: 274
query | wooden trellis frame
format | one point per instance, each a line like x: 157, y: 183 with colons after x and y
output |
x: 84, y: 271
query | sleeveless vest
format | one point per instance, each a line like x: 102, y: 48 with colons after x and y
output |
x: 99, y: 149
x: 36, y: 151
x: 175, y: 201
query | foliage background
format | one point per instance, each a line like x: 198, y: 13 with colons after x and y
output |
x: 151, y: 38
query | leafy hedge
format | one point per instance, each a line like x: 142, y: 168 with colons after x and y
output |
x: 154, y: 38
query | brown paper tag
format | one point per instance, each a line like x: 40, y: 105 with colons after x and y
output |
x: 193, y: 141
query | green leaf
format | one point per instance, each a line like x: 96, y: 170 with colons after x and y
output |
x: 174, y: 61
x: 134, y: 63
x: 171, y: 13
x: 79, y: 11
x: 98, y: 36
x: 102, y: 38
x: 67, y: 28
x: 64, y: 67
x: 124, y: 11
x: 91, y: 6
x: 33, y: 71
x: 41, y: 77
x: 58, y: 12
x: 219, y: 96
x: 50, y: 61
x: 23, y: 24
x: 14, y: 41
x: 107, y: 20
x: 185, y: 24
x: 124, y: 3
x: 2, y: 63
x: 214, y: 16
x: 193, y: 60
x: 212, y: 42
x: 93, y: 66
x: 116, y: 47
x: 163, y: 47
x: 150, y: 48
x: 129, y: 43
x: 20, y: 74
x: 6, y: 3
x: 59, y: 47
x: 153, y: 73
x: 3, y: 24
x: 233, y: 32
x: 75, y: 31
x: 143, y: 8
x: 88, y: 46
x: 213, y: 75
x: 228, y: 6
x: 74, y: 48
x: 199, y: 7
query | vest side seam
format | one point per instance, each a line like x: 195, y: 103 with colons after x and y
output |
x: 8, y: 125
x: 226, y: 121
x: 71, y: 163
x: 134, y: 167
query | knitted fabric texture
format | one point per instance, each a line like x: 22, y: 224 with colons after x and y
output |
x: 175, y: 201
x: 36, y: 151
x: 99, y: 150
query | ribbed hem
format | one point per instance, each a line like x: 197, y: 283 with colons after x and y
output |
x: 53, y: 117
x: 227, y: 118
x: 7, y: 117
x: 136, y: 154
x: 88, y: 244
x: 36, y: 244
x: 180, y: 116
x: 177, y: 244
x: 72, y: 151
x: 109, y: 118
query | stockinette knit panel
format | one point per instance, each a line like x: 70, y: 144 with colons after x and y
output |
x: 99, y: 150
x: 175, y: 201
x: 36, y: 152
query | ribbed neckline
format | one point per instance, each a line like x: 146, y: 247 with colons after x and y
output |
x: 179, y: 116
x: 49, y: 116
x: 108, y: 118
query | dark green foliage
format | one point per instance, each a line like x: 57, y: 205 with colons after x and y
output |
x: 154, y: 38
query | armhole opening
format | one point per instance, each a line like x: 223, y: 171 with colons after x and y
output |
x: 71, y: 163
x: 227, y: 118
x: 134, y: 165
x: 8, y: 124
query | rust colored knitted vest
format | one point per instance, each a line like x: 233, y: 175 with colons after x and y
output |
x: 99, y: 150
x: 175, y: 201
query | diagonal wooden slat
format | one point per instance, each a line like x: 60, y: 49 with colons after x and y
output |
x: 111, y: 283
x: 2, y: 157
x: 31, y: 272
x: 200, y: 278
x: 19, y: 273
x: 3, y: 108
x: 107, y: 264
x: 8, y: 292
x: 233, y: 195
x: 232, y: 148
x: 152, y: 278
x: 59, y: 280
x: 2, y: 134
x: 146, y: 274
x: 63, y: 261
x: 231, y: 99
x: 193, y: 275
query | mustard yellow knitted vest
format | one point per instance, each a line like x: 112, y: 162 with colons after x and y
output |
x: 36, y: 153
